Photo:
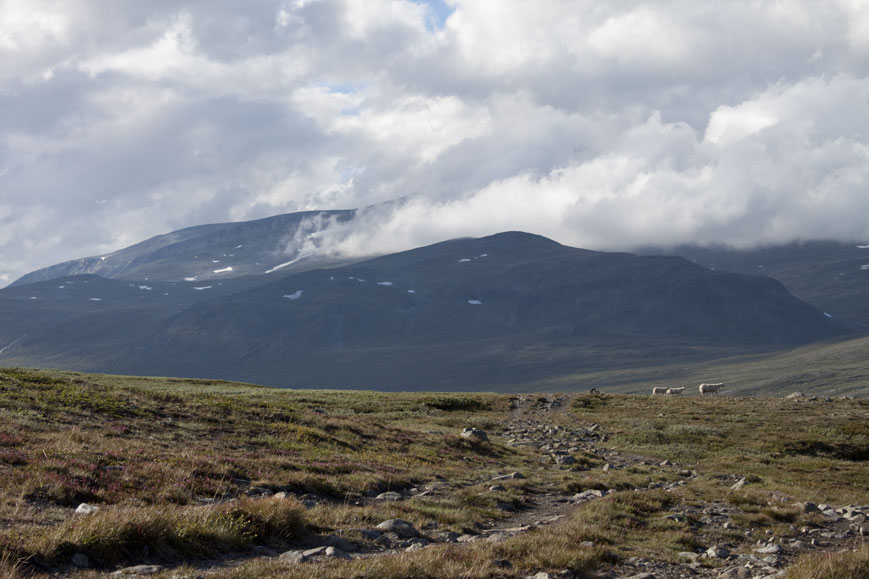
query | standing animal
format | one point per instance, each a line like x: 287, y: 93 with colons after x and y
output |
x: 675, y: 391
x: 711, y: 388
x: 659, y: 390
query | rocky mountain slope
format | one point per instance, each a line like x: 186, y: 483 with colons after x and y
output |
x: 204, y: 252
x: 494, y: 312
x: 833, y: 276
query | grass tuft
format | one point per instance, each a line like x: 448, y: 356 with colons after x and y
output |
x: 114, y: 534
x: 843, y: 565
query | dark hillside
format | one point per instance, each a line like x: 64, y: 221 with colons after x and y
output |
x: 833, y: 276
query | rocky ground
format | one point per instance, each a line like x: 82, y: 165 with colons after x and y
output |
x: 544, y: 425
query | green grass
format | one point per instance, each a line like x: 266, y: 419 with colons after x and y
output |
x: 783, y: 444
x: 847, y: 565
x: 118, y: 534
x: 151, y: 451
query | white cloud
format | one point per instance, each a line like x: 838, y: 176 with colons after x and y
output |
x: 598, y: 124
x: 642, y: 37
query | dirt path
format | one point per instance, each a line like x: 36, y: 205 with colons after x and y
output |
x: 545, y: 425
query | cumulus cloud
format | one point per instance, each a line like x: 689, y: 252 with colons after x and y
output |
x: 600, y: 125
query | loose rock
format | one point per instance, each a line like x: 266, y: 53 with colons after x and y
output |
x: 86, y: 509
x: 474, y: 433
x: 717, y: 553
x: 293, y: 557
x: 139, y: 570
x: 511, y: 476
x: 738, y: 484
x: 400, y: 527
x: 336, y: 553
x: 588, y: 495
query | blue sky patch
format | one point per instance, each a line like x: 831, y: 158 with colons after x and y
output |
x: 439, y: 12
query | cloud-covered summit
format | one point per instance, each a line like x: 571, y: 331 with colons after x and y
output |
x: 602, y: 125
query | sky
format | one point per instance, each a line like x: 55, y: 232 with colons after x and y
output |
x: 604, y: 125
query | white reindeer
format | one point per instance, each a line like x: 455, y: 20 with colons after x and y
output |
x: 711, y: 388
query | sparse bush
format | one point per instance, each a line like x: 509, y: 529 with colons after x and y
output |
x: 454, y: 403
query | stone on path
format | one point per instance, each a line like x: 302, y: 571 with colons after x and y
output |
x: 86, y: 509
x: 336, y: 553
x: 390, y: 496
x: 511, y: 476
x: 340, y: 543
x: 293, y: 557
x: 736, y: 573
x: 717, y: 553
x: 474, y: 433
x: 738, y: 484
x: 139, y: 570
x: 589, y: 495
x: 771, y: 549
x: 314, y: 552
x: 808, y: 507
x: 400, y: 527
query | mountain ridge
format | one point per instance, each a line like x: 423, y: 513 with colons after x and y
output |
x: 467, y: 313
x: 215, y: 242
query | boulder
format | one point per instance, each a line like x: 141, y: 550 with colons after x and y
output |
x: 399, y: 527
x: 771, y: 549
x: 86, y: 509
x: 738, y: 484
x: 717, y: 553
x: 511, y: 476
x: 336, y: 553
x: 808, y: 507
x: 293, y: 557
x: 340, y: 543
x: 314, y: 552
x: 589, y: 495
x: 474, y: 434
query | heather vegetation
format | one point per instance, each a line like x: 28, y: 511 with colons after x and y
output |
x: 215, y: 477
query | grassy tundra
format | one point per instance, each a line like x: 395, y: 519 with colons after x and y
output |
x: 183, y: 470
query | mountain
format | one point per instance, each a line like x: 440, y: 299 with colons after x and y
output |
x: 205, y: 252
x: 833, y: 276
x: 490, y: 313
